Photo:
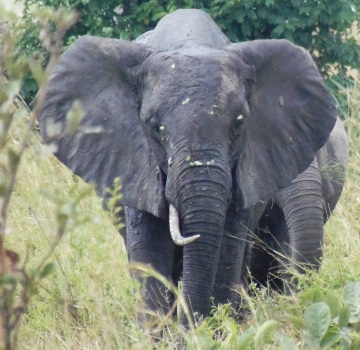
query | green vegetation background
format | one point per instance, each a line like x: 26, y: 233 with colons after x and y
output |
x: 90, y: 301
x: 321, y: 27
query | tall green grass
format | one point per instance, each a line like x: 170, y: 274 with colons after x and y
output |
x: 90, y: 300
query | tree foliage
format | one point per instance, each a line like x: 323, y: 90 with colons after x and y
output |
x: 322, y: 27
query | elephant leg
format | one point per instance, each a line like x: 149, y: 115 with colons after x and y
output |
x: 302, y: 205
x: 148, y: 242
x: 234, y: 256
x: 270, y: 247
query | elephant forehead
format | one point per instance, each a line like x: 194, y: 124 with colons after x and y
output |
x: 207, y: 78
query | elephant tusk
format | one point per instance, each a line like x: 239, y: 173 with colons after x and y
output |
x: 175, y: 231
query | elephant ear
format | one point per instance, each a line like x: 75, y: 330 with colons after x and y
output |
x: 110, y: 143
x: 291, y: 117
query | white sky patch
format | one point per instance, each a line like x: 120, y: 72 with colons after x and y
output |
x: 10, y: 5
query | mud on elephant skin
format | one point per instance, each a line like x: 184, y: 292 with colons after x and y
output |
x: 290, y: 232
x: 194, y: 125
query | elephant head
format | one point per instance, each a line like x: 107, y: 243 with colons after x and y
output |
x: 190, y: 121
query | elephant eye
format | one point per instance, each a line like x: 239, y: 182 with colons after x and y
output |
x: 153, y: 124
x: 151, y: 120
x: 159, y: 132
x: 158, y: 129
x: 163, y: 135
x: 238, y: 125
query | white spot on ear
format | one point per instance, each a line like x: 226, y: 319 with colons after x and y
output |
x: 240, y: 117
x: 162, y: 128
x: 169, y: 161
x: 188, y: 158
x: 185, y: 102
x: 197, y: 163
x: 173, y: 66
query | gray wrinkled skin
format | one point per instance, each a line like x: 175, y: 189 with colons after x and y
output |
x: 189, y: 119
x: 293, y: 223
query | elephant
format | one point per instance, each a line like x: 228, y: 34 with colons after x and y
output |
x: 199, y: 130
x: 290, y: 231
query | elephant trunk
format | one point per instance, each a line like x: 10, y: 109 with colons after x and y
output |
x: 302, y: 205
x: 202, y: 197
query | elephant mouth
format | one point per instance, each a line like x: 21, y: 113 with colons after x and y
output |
x: 175, y: 229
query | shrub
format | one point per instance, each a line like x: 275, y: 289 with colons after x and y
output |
x: 322, y: 27
x: 18, y: 279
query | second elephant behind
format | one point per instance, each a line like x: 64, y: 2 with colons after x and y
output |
x: 290, y: 232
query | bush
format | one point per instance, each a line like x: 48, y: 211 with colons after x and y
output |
x: 322, y: 27
x: 20, y: 280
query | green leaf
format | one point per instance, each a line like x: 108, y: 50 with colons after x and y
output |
x: 310, y: 342
x: 317, y: 319
x: 285, y: 342
x: 264, y: 333
x: 296, y: 321
x: 345, y: 344
x: 47, y: 270
x: 312, y: 295
x: 333, y: 301
x: 269, y: 3
x: 8, y: 279
x: 244, y: 339
x: 330, y: 338
x: 158, y: 16
x: 352, y: 300
x: 37, y: 70
x: 344, y: 317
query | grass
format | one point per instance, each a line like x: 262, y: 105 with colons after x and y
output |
x: 90, y: 301
x: 90, y: 291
